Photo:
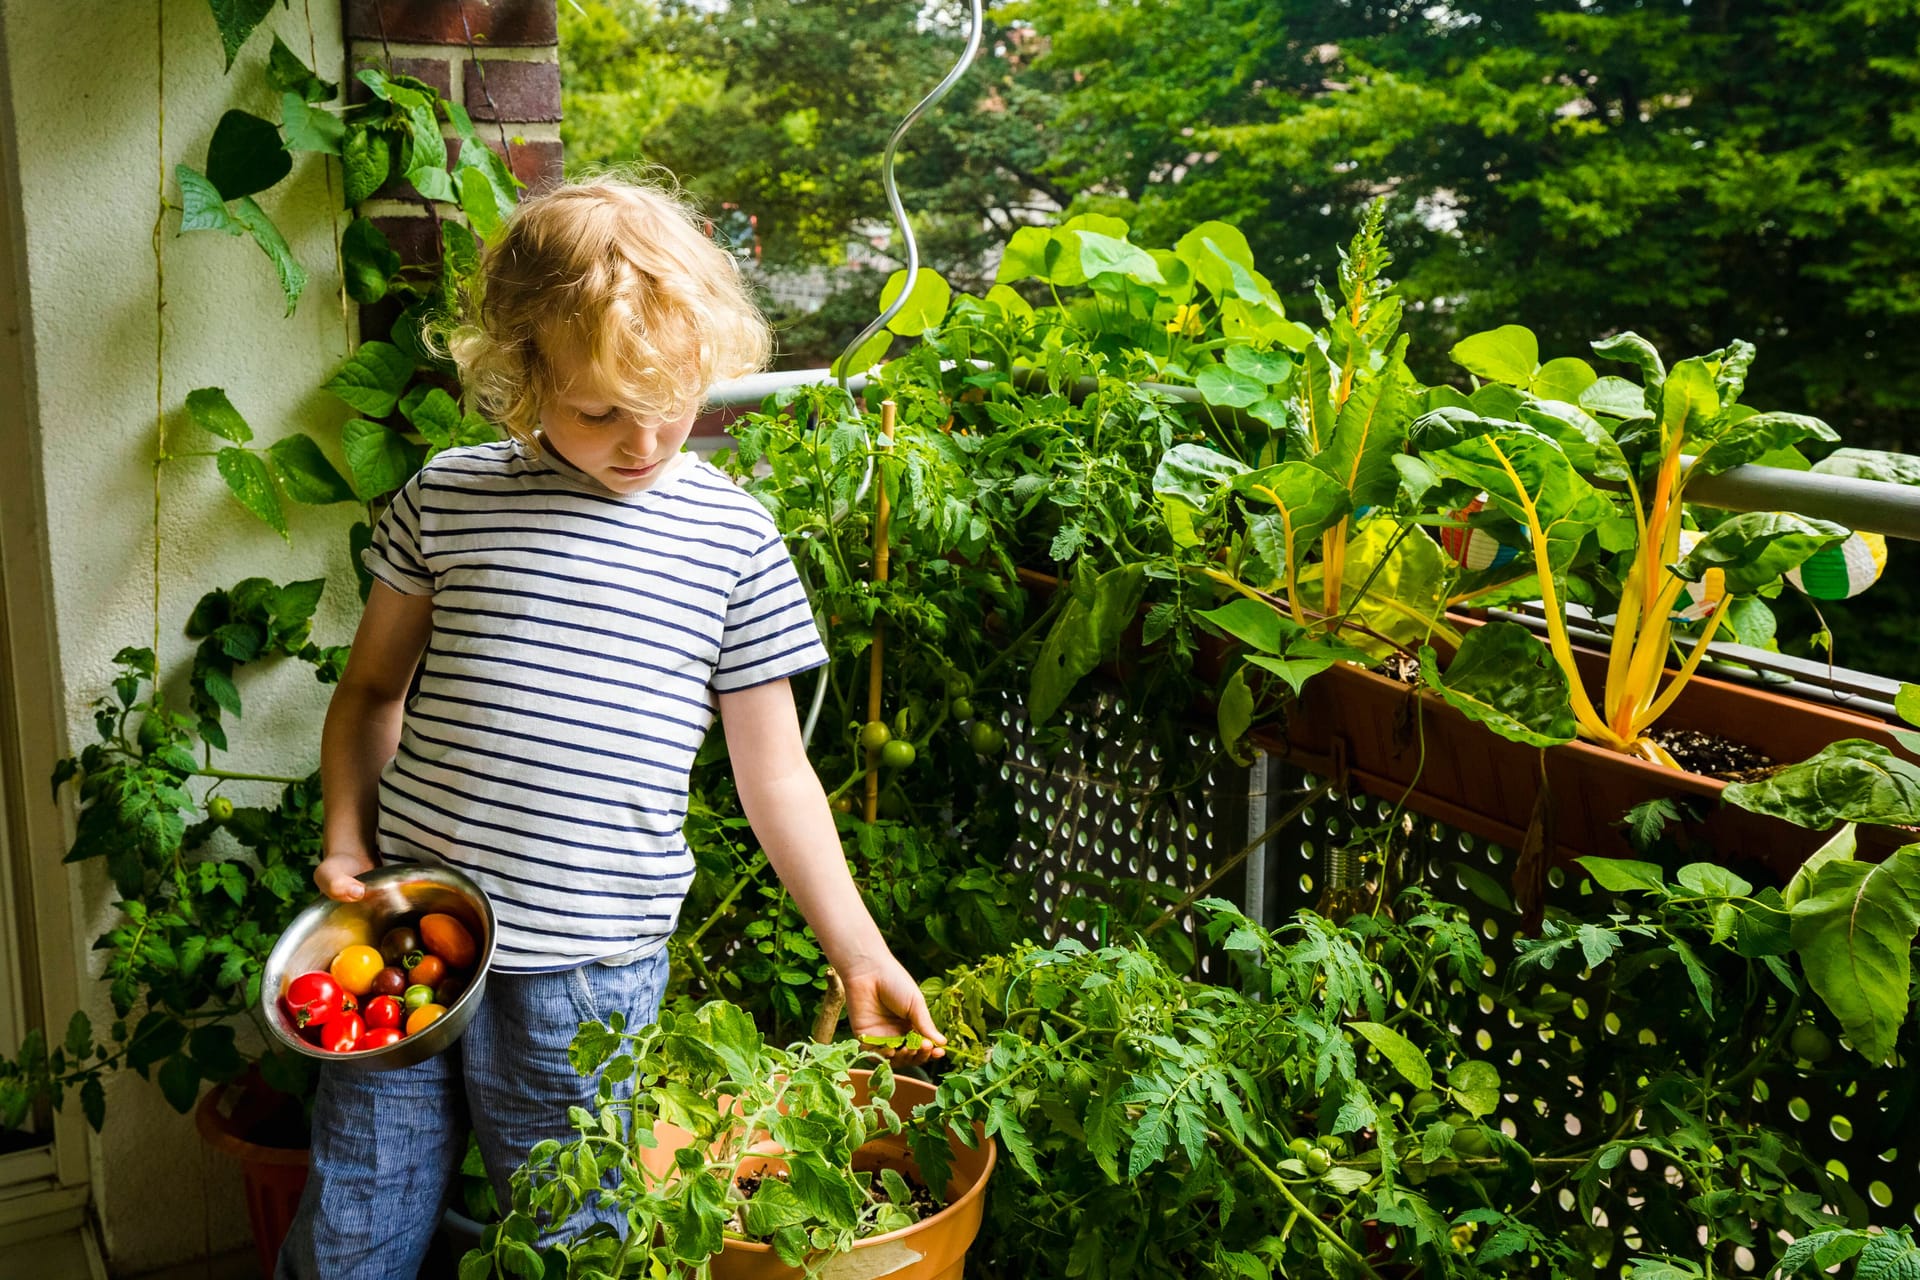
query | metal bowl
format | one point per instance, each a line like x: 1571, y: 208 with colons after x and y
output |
x: 325, y: 926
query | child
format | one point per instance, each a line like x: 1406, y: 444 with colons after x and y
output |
x: 587, y: 598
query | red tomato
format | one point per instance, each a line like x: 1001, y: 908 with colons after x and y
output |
x: 314, y: 999
x: 343, y: 1034
x: 448, y: 938
x: 379, y: 1038
x: 382, y: 1011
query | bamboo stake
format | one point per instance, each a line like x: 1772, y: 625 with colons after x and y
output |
x: 883, y: 514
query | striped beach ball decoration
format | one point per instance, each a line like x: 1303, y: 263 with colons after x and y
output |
x: 1705, y: 595
x: 1474, y: 549
x: 1842, y: 570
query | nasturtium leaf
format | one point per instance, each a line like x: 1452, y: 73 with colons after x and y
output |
x: 1755, y: 548
x: 372, y: 378
x: 201, y: 208
x: 380, y: 460
x: 366, y: 158
x: 246, y: 475
x: 1398, y: 1050
x: 1509, y: 354
x: 1009, y: 300
x: 1502, y: 677
x: 1617, y: 875
x: 1854, y: 931
x: 245, y: 155
x: 1211, y: 251
x: 310, y: 128
x: 1476, y: 1087
x: 924, y: 308
x: 1269, y: 367
x: 1852, y: 780
x: 1100, y: 254
x: 1754, y: 436
x: 287, y: 74
x: 1614, y: 397
x: 1871, y: 464
x: 1025, y: 255
x: 1221, y: 385
x: 1563, y: 379
x: 212, y: 411
x: 236, y: 20
x: 368, y: 260
x: 1906, y: 703
x: 293, y: 276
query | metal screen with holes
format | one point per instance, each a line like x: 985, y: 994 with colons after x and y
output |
x: 1079, y: 811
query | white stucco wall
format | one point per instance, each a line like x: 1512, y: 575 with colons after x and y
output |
x: 87, y: 97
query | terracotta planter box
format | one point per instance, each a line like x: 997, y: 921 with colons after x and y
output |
x: 1363, y: 725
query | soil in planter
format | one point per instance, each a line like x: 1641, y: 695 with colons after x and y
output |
x: 1711, y: 755
x: 922, y: 1202
x: 1401, y: 667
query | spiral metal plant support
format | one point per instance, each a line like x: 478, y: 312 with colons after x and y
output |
x: 976, y: 25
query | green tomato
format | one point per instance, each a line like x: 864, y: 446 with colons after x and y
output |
x: 1469, y: 1139
x: 1318, y: 1161
x: 960, y: 709
x: 1299, y: 1146
x: 959, y: 684
x: 1335, y: 1143
x: 898, y: 754
x: 874, y: 735
x: 1810, y: 1044
x: 219, y: 808
x: 416, y: 995
x: 985, y: 739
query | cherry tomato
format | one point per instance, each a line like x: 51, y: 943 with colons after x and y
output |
x: 874, y: 734
x: 379, y: 1038
x: 397, y: 944
x: 449, y: 991
x: 417, y: 996
x: 843, y: 804
x: 383, y: 1011
x: 389, y: 982
x: 428, y: 972
x: 355, y: 966
x: 343, y: 1034
x: 423, y: 1017
x: 220, y: 809
x: 448, y: 938
x: 1318, y: 1161
x: 314, y: 999
x: 898, y: 754
x: 1809, y: 1043
x: 985, y: 739
x: 961, y: 709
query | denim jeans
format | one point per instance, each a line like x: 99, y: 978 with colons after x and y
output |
x: 386, y: 1144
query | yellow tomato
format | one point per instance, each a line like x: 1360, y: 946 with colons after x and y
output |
x: 423, y: 1017
x: 355, y: 967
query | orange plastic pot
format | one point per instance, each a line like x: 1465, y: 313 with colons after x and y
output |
x: 934, y: 1248
x: 229, y: 1117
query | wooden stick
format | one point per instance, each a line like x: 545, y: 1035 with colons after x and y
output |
x: 883, y: 514
x: 827, y: 1020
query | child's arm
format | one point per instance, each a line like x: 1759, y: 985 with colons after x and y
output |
x: 788, y: 810
x: 363, y: 731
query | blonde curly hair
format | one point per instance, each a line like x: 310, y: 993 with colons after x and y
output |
x: 620, y: 272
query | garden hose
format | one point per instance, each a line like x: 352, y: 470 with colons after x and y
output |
x: 976, y: 24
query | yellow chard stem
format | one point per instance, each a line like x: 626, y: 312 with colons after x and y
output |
x: 1293, y: 569
x: 1672, y: 691
x: 1626, y: 631
x: 1333, y: 560
x: 1649, y: 657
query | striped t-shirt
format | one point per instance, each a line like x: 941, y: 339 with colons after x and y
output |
x: 579, y: 639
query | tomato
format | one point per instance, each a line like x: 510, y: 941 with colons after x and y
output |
x: 1810, y: 1044
x: 423, y: 1017
x: 219, y: 808
x: 898, y: 754
x: 449, y: 991
x: 959, y: 684
x: 397, y: 944
x: 314, y: 999
x: 389, y: 982
x: 428, y: 972
x: 354, y: 968
x: 1318, y: 1161
x: 1299, y: 1146
x: 343, y: 1034
x: 380, y: 1038
x: 960, y: 709
x: 1469, y: 1139
x: 383, y: 1011
x: 874, y: 735
x: 985, y: 739
x: 417, y: 996
x: 448, y: 938
x: 843, y: 804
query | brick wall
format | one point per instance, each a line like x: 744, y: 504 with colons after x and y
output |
x: 500, y: 59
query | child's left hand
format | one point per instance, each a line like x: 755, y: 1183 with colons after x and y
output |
x: 884, y: 1002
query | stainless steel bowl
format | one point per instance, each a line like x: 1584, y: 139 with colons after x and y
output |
x: 325, y: 926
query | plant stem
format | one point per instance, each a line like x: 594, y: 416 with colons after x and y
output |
x: 1307, y: 1215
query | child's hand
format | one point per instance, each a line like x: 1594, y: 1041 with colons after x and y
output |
x: 884, y: 1002
x: 336, y: 872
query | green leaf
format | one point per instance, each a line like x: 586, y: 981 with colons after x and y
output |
x: 1213, y: 251
x: 310, y: 128
x: 1840, y: 847
x: 379, y: 460
x: 1589, y: 446
x: 1234, y: 713
x: 1306, y: 660
x: 246, y: 475
x: 1852, y: 780
x: 427, y: 160
x: 871, y: 352
x: 1871, y: 464
x: 1504, y: 678
x: 1370, y: 430
x: 1854, y: 932
x: 1252, y: 623
x: 1631, y: 348
x: 372, y: 378
x: 287, y: 74
x: 1751, y: 437
x: 1270, y: 367
x: 245, y: 156
x: 1755, y: 548
x: 1221, y: 385
x: 1397, y: 1049
x: 1616, y: 398
x: 201, y: 208
x: 366, y: 158
x: 1308, y: 502
x: 1525, y: 473
x: 293, y: 277
x: 925, y: 307
x: 1194, y: 473
x: 1706, y: 880
x: 1509, y: 354
x: 305, y: 473
x: 180, y: 1082
x: 478, y: 200
x: 1476, y: 1087
x: 437, y: 418
x: 1100, y: 254
x: 79, y: 1041
x: 93, y: 1101
x: 1088, y: 629
x: 1689, y: 398
x: 236, y: 20
x: 1619, y: 875
x: 1026, y: 255
x: 1566, y: 378
x: 211, y: 411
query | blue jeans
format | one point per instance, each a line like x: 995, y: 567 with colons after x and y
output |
x: 386, y: 1144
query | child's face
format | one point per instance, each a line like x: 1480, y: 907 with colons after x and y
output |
x: 588, y: 426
